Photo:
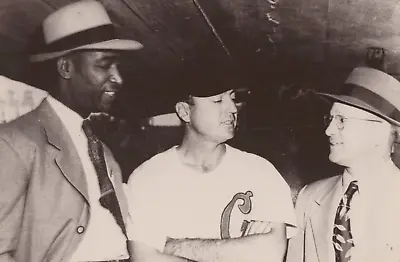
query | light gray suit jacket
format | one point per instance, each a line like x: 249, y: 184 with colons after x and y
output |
x: 43, y: 191
x: 316, y: 209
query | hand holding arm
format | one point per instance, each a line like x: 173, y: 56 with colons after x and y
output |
x: 257, y: 227
x: 143, y: 253
x: 255, y: 246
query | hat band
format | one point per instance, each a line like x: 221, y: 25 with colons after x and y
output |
x: 373, y: 99
x: 82, y: 38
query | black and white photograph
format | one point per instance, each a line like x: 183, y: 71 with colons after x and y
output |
x: 200, y: 130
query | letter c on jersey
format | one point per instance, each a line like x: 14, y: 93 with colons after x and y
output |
x: 245, y: 208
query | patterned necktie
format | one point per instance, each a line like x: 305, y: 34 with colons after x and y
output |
x: 108, y: 198
x: 342, y: 238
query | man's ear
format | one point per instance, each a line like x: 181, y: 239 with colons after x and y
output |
x: 65, y: 67
x: 183, y: 111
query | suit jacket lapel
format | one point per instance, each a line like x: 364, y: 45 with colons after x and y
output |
x: 322, y: 219
x: 67, y: 158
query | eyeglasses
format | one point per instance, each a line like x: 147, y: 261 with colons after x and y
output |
x: 341, y: 120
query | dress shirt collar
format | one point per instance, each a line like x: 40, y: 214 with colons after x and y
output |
x: 71, y: 120
x: 386, y: 173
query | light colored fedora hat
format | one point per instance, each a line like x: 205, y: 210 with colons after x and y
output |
x: 80, y: 25
x: 371, y: 90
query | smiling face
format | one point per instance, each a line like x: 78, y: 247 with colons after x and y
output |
x: 211, y: 118
x: 94, y: 81
x: 361, y: 137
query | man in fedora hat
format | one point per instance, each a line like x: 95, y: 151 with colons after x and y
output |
x: 204, y: 200
x: 355, y: 216
x: 61, y: 196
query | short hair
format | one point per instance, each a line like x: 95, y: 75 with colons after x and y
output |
x: 189, y: 100
x: 43, y: 75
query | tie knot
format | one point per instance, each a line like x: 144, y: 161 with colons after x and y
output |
x: 87, y: 128
x: 353, y: 187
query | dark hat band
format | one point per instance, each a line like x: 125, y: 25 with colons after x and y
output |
x: 82, y: 38
x: 372, y: 99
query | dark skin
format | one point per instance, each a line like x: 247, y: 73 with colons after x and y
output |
x: 89, y: 81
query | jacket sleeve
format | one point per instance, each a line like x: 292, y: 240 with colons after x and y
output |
x: 13, y: 188
x: 295, y: 251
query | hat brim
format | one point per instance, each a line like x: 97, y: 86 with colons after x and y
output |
x: 114, y: 44
x: 359, y: 104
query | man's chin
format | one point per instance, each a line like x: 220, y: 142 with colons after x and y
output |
x: 338, y: 159
x: 104, y: 108
x: 229, y: 137
x: 334, y: 158
x: 106, y: 103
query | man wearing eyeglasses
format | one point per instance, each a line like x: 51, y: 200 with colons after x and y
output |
x: 355, y: 216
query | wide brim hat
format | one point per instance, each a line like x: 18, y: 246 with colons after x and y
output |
x: 371, y: 90
x: 83, y: 25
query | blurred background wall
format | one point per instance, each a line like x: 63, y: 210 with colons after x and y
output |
x: 286, y: 50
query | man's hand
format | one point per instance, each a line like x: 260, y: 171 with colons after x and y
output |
x: 257, y: 227
x: 109, y: 129
x: 261, y: 241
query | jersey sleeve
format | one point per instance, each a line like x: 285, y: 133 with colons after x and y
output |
x: 272, y: 199
x: 145, y: 219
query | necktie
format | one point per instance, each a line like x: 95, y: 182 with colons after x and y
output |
x: 342, y: 237
x: 108, y: 198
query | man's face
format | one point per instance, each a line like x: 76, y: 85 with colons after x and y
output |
x: 214, y: 118
x: 355, y: 134
x: 95, y: 81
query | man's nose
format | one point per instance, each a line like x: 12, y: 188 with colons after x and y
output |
x: 330, y: 129
x: 232, y: 106
x: 116, y: 76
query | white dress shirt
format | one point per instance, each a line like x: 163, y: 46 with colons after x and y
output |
x: 103, y: 239
x: 375, y: 215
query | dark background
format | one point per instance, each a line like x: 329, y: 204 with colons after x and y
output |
x: 286, y: 50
